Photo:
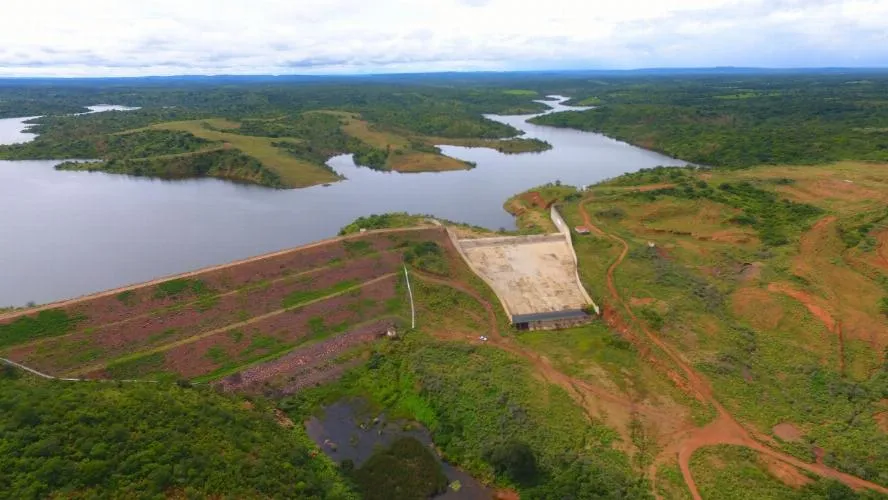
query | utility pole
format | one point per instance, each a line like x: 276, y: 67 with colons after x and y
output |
x: 412, y: 308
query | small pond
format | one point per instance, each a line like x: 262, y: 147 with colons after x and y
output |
x: 346, y: 431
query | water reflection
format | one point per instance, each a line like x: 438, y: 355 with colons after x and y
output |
x: 345, y: 431
x: 64, y: 234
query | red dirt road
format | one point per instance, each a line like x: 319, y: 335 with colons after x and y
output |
x: 724, y: 429
x: 595, y: 400
x: 818, y: 311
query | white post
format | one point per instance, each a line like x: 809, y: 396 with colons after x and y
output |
x: 412, y: 309
x: 30, y: 370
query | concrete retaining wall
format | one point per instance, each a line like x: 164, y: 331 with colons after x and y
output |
x: 510, y: 240
x: 454, y: 240
x: 565, y: 230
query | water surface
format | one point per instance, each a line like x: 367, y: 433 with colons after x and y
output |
x: 345, y: 432
x: 64, y: 234
x: 14, y: 130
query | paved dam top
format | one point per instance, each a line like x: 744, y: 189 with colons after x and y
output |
x: 530, y: 274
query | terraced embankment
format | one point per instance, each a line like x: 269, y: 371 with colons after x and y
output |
x: 218, y: 321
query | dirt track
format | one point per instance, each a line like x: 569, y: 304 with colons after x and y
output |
x: 819, y: 312
x: 724, y: 429
x: 597, y: 402
x: 882, y: 251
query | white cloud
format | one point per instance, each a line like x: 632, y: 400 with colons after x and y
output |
x: 139, y: 37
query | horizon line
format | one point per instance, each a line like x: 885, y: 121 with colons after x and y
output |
x: 662, y: 69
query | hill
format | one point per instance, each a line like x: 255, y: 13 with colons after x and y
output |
x: 740, y: 120
x: 754, y: 302
x: 278, y: 136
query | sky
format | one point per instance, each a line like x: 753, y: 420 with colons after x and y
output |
x: 169, y: 37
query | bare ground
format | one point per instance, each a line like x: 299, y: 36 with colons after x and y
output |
x: 725, y: 429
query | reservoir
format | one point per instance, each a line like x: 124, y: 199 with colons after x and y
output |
x: 65, y: 234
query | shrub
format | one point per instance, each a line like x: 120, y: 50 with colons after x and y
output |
x: 407, y: 470
x: 612, y: 213
x: 515, y: 460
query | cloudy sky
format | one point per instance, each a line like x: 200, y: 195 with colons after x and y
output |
x: 161, y: 37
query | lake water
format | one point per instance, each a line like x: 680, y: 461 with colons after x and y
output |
x: 64, y: 234
x: 14, y: 130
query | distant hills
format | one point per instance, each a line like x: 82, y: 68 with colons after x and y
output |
x: 420, y: 77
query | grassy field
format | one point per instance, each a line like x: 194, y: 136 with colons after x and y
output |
x: 735, y: 473
x: 769, y: 282
x: 292, y: 171
x: 400, y: 151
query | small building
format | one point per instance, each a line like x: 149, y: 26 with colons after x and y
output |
x: 554, y: 320
x: 582, y: 230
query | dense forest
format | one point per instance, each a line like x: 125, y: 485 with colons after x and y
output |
x: 741, y: 120
x: 223, y: 164
x: 89, y: 440
x: 721, y: 118
x: 425, y: 110
x: 728, y: 119
x: 298, y: 127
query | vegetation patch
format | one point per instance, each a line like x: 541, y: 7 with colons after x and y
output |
x: 302, y: 296
x: 126, y: 297
x: 735, y: 473
x: 472, y: 398
x: 224, y: 164
x: 406, y: 470
x: 357, y: 248
x: 180, y: 286
x: 427, y: 256
x: 136, y: 368
x: 146, y: 440
x: 516, y: 145
x: 394, y: 220
x: 774, y: 119
x: 776, y: 219
x: 48, y: 323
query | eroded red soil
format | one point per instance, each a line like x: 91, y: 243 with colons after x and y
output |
x: 286, y: 371
x: 724, y: 429
x: 787, y: 432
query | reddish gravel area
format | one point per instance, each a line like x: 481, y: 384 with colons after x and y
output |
x: 239, y: 345
x: 535, y: 199
x: 175, y: 324
x: 214, y: 318
x: 121, y: 304
x: 311, y: 377
x: 286, y: 371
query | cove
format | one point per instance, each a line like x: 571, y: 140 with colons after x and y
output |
x: 65, y: 234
